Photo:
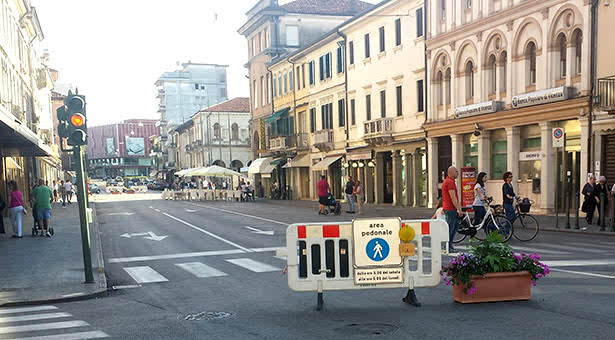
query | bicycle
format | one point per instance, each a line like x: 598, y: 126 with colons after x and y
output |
x: 491, y: 222
x: 525, y: 226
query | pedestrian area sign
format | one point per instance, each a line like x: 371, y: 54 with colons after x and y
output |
x: 376, y: 255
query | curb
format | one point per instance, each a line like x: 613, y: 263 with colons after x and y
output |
x: 94, y: 295
x: 577, y: 231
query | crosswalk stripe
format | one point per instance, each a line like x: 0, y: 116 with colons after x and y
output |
x: 199, y: 269
x: 592, y: 245
x: 579, y: 263
x: 145, y: 274
x: 583, y: 273
x: 42, y: 326
x: 26, y: 309
x: 69, y: 336
x: 541, y: 251
x: 558, y: 246
x: 255, y: 266
x: 33, y: 317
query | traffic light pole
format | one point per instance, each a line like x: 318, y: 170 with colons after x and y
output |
x: 82, y: 194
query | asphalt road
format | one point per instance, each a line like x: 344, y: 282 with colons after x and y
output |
x: 209, y: 271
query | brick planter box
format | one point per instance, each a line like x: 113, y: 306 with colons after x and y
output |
x: 496, y: 287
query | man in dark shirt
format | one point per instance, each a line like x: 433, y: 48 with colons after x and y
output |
x: 348, y: 192
x: 451, y: 205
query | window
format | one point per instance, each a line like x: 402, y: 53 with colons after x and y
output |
x: 383, y: 103
x: 469, y: 71
x: 311, y: 72
x: 367, y: 46
x: 561, y: 41
x: 196, y: 86
x: 577, y: 41
x: 263, y: 91
x: 419, y: 22
x: 353, y: 120
x: 419, y: 96
x: 321, y: 67
x: 351, y: 53
x: 292, y: 35
x: 217, y: 131
x: 285, y: 83
x: 280, y: 88
x: 341, y: 109
x: 398, y: 95
x: 382, y: 44
x: 312, y: 120
x: 268, y: 89
x: 235, y: 131
x: 397, y: 32
x: 503, y: 61
x: 275, y: 88
x: 291, y: 81
x: 468, y: 4
x: 303, y: 75
x: 298, y: 78
x: 368, y: 107
x: 328, y: 65
x: 492, y: 68
x: 340, y: 59
x: 530, y: 61
x: 255, y: 95
x: 498, y: 158
x: 326, y: 113
x: 266, y: 38
x: 442, y: 9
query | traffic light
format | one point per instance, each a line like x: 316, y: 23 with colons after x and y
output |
x: 62, y: 123
x: 77, y: 131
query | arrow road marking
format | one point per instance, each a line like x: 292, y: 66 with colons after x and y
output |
x: 155, y: 237
x: 258, y: 231
x: 122, y: 214
x: 190, y: 210
x: 127, y: 235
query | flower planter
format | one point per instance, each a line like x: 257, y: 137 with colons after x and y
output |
x: 115, y: 192
x: 493, y: 287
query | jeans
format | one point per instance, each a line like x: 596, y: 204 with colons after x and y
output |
x: 453, y: 224
x: 63, y: 200
x: 510, y: 214
x: 350, y: 201
x: 479, y: 214
x: 15, y: 215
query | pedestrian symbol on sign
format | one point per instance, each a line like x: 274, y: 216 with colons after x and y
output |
x: 377, y: 249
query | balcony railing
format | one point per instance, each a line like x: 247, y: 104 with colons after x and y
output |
x: 277, y: 143
x: 606, y: 90
x: 299, y: 141
x: 323, y: 139
x: 378, y: 130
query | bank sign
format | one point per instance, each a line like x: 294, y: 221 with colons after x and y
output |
x: 540, y: 97
x: 477, y: 109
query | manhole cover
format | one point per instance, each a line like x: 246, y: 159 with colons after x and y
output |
x: 364, y: 329
x: 207, y: 316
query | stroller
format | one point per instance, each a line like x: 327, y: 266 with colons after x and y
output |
x: 332, y: 206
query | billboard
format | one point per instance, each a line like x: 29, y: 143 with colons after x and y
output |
x: 110, y: 146
x: 468, y: 179
x: 135, y: 146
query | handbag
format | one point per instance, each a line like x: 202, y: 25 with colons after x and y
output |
x: 584, y: 207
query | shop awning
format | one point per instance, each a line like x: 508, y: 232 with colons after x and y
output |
x: 300, y: 161
x: 261, y: 166
x: 278, y: 161
x: 18, y: 140
x: 11, y: 164
x: 325, y: 163
x: 277, y: 115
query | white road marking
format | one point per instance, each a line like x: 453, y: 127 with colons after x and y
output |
x: 72, y: 295
x: 526, y: 249
x: 238, y: 213
x: 578, y: 263
x: 26, y: 309
x: 122, y: 214
x: 264, y: 250
x: 126, y: 287
x: 175, y: 256
x: 255, y: 266
x: 199, y: 269
x: 582, y: 273
x: 42, y: 326
x: 570, y: 248
x: 69, y: 336
x: 608, y: 247
x: 259, y: 231
x: 145, y: 274
x: 207, y: 233
x: 33, y: 317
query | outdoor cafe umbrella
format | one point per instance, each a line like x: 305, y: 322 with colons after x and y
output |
x: 214, y: 171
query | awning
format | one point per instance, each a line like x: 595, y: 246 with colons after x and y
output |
x: 261, y: 166
x: 278, y: 161
x: 300, y: 161
x: 277, y: 115
x: 18, y: 140
x: 11, y: 164
x: 325, y: 163
x: 244, y: 169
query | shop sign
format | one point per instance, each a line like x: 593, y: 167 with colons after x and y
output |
x: 529, y: 156
x: 477, y: 109
x: 468, y: 180
x: 357, y: 156
x: 540, y: 97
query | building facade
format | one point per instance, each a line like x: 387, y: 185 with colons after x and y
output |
x: 121, y: 149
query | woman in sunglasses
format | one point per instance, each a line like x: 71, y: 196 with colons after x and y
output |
x: 508, y: 193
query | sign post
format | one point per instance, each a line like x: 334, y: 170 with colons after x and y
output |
x: 558, y: 143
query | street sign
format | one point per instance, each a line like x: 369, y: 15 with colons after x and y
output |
x: 558, y: 137
x: 376, y: 242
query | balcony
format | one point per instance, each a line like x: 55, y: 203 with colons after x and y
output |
x: 162, y: 108
x: 160, y: 93
x: 277, y: 143
x: 378, y: 131
x: 298, y: 141
x: 323, y: 140
x: 606, y: 92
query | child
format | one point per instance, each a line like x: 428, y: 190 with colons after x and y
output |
x: 439, y: 214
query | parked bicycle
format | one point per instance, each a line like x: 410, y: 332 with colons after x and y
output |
x: 525, y: 226
x: 491, y: 222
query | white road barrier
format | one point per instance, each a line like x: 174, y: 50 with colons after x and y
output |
x: 363, y: 254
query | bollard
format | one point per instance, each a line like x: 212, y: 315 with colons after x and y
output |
x: 602, y: 217
x: 577, y: 200
x: 568, y: 200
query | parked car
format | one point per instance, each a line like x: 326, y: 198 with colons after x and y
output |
x: 94, y: 188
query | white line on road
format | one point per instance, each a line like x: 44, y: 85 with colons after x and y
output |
x: 145, y: 274
x: 582, y: 273
x: 240, y: 214
x: 559, y: 246
x: 578, y: 263
x: 199, y: 269
x: 255, y: 266
x: 175, y: 256
x: 26, y: 309
x: 34, y: 317
x: 69, y: 336
x: 42, y: 326
x: 208, y: 233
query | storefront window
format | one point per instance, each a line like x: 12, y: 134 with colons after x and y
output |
x: 498, y: 154
x: 470, y: 151
x: 529, y: 160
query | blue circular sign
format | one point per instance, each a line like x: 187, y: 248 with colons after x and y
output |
x: 558, y: 133
x: 377, y: 249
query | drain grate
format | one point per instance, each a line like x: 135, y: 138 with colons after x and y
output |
x: 207, y: 316
x: 367, y: 329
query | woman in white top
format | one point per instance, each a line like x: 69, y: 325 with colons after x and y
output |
x: 480, y: 195
x: 439, y: 214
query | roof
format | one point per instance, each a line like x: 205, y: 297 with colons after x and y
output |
x: 239, y: 104
x: 327, y: 7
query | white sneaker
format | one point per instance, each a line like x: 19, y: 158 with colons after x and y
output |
x: 48, y: 234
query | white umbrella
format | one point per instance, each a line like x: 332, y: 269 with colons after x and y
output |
x: 214, y: 171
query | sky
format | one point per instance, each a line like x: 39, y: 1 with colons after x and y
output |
x: 113, y: 51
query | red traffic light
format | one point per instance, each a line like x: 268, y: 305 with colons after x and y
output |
x: 77, y: 120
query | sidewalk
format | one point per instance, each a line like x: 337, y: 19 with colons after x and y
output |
x: 37, y: 269
x: 547, y: 222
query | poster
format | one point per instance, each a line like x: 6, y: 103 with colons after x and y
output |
x: 135, y: 146
x: 468, y: 180
x: 110, y: 146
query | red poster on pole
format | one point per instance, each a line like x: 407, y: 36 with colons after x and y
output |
x: 468, y: 180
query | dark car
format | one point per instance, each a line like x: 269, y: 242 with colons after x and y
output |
x: 94, y: 188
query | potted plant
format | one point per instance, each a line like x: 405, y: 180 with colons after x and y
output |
x: 492, y: 271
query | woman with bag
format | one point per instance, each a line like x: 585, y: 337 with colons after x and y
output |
x: 590, y: 199
x: 16, y: 209
x: 360, y: 196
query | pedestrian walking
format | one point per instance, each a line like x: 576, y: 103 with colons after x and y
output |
x: 349, y: 193
x: 480, y: 195
x: 68, y: 187
x: 451, y: 205
x: 42, y: 202
x: 602, y: 191
x: 360, y: 196
x: 16, y: 209
x: 323, y: 192
x: 589, y: 199
x: 63, y: 193
x: 439, y: 213
x: 508, y: 195
x: 56, y: 190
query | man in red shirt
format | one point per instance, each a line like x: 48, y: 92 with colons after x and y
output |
x: 323, y: 192
x: 451, y: 205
